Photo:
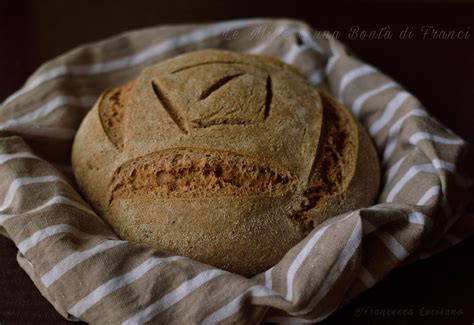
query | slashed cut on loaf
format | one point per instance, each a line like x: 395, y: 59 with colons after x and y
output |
x: 227, y: 158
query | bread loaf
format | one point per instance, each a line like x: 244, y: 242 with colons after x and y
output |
x: 230, y: 159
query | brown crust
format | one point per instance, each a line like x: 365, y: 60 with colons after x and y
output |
x: 227, y: 158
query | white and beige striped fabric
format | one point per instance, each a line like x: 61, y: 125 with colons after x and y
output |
x: 88, y: 273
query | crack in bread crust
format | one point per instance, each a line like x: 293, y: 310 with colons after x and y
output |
x: 196, y: 173
x: 112, y: 113
x: 333, y: 171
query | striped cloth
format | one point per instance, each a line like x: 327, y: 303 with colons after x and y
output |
x: 88, y: 273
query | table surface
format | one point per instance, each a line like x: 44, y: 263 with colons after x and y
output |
x: 439, y: 72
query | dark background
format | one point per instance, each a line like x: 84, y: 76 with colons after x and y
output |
x: 439, y: 72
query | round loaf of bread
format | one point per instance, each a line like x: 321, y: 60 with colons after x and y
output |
x: 227, y: 158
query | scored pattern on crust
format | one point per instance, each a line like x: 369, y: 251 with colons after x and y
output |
x: 207, y: 63
x: 176, y: 113
x: 268, y: 98
x: 222, y: 116
x: 218, y: 84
